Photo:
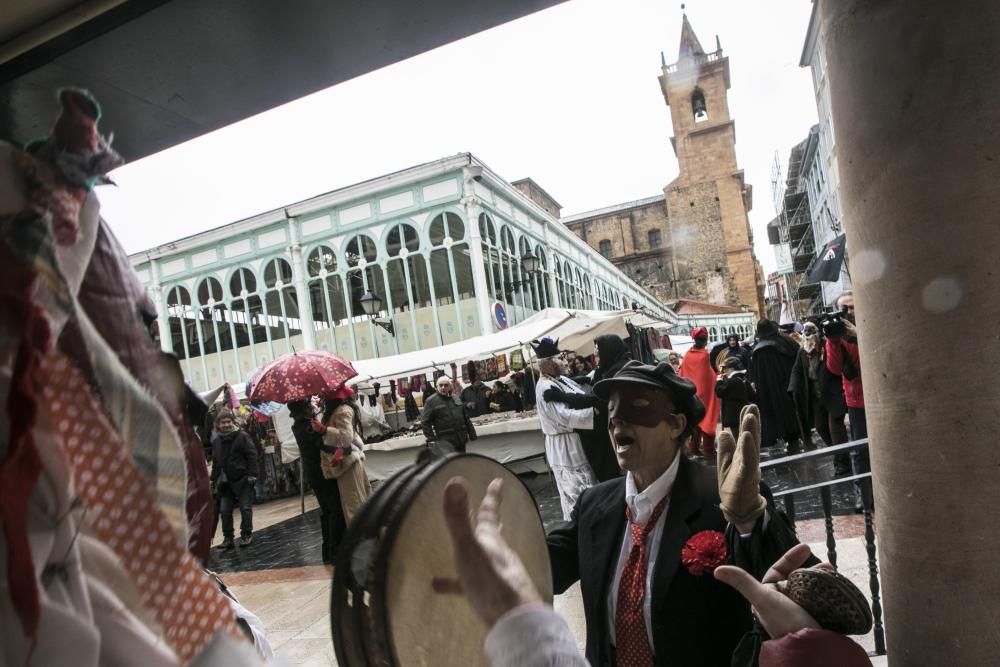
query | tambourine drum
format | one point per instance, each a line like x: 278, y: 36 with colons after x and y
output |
x: 384, y: 611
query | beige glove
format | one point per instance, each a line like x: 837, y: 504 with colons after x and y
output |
x: 739, y: 472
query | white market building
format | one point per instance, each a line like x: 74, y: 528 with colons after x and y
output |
x: 439, y: 243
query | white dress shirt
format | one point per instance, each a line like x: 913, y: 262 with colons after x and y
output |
x: 642, y: 504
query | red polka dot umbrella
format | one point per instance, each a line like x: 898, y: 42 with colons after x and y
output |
x: 299, y: 375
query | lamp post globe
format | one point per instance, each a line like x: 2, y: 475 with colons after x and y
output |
x: 530, y: 263
x: 371, y: 303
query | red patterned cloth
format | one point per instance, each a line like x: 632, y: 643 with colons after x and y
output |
x: 632, y: 647
x: 124, y: 514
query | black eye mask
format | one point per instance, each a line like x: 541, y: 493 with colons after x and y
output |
x: 640, y: 406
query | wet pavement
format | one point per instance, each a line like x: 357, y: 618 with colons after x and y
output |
x: 296, y: 541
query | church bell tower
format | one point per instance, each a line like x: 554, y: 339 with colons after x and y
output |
x: 707, y: 203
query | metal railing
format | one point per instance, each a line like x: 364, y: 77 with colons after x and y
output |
x: 788, y: 497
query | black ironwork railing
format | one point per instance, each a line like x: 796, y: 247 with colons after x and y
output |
x: 806, y: 463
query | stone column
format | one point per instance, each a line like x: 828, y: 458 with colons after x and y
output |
x: 301, y: 289
x: 483, y: 304
x: 915, y: 98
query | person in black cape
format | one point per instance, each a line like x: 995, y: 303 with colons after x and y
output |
x: 331, y: 514
x: 770, y: 370
x: 612, y: 354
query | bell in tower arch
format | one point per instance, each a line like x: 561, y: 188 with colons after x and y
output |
x: 698, y: 108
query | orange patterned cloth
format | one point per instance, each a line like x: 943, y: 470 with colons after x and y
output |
x: 124, y: 514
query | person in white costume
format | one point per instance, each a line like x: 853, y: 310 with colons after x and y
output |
x: 563, y: 447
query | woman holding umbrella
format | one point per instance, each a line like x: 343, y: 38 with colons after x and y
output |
x: 299, y: 376
x: 342, y: 454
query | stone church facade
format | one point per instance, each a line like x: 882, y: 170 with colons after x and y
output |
x: 694, y: 241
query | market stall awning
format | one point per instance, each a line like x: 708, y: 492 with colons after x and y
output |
x: 576, y: 330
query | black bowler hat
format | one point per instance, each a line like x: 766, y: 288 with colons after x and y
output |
x: 662, y: 377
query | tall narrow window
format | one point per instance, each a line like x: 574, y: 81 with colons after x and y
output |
x: 654, y: 239
x: 605, y: 248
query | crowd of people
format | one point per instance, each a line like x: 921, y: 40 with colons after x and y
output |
x: 622, y: 440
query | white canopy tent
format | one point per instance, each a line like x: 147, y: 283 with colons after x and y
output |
x: 575, y: 329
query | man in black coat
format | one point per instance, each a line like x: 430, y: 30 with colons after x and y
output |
x: 669, y: 503
x: 770, y: 369
x: 445, y: 419
x: 327, y: 492
x: 476, y: 398
x: 234, y: 473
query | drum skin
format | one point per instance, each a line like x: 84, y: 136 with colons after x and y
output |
x: 383, y: 609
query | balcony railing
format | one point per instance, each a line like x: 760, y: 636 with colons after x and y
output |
x: 805, y: 472
x: 694, y: 61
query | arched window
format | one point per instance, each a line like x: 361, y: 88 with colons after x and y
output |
x: 280, y: 305
x: 560, y: 284
x: 604, y: 246
x: 327, y: 298
x: 542, y: 278
x: 451, y: 279
x: 491, y: 256
x: 409, y: 285
x: 530, y: 290
x: 179, y: 316
x: 698, y: 108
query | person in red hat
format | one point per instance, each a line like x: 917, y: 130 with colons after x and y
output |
x: 697, y: 367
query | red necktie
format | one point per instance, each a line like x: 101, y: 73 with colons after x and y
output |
x: 632, y: 647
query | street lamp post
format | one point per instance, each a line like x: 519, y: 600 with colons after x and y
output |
x: 371, y: 303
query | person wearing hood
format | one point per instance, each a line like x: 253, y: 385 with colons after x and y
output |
x: 734, y: 348
x: 697, y: 367
x: 770, y: 371
x: 819, y: 395
x: 735, y: 390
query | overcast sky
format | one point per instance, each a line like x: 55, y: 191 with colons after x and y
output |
x: 568, y: 96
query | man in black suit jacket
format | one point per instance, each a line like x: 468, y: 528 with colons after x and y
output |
x: 692, y: 619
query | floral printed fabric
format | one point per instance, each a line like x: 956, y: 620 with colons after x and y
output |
x: 299, y: 375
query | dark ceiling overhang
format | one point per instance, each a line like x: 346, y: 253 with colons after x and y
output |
x: 166, y: 71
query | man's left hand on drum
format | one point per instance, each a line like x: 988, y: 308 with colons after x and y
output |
x: 490, y: 574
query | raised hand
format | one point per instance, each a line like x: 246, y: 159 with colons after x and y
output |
x: 739, y: 472
x: 490, y: 574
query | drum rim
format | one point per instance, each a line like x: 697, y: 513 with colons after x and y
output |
x: 361, y: 637
x: 349, y: 640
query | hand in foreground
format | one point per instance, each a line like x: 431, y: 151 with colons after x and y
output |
x: 317, y: 425
x: 490, y: 575
x: 739, y: 472
x: 776, y: 611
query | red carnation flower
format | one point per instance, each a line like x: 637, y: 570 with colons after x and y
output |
x: 704, y: 552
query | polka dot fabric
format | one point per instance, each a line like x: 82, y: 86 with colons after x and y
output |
x: 122, y: 512
x: 632, y: 647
